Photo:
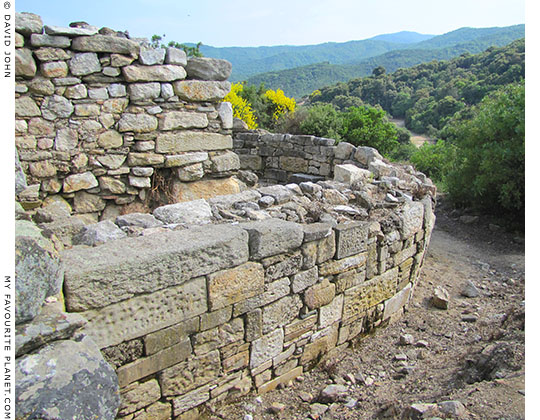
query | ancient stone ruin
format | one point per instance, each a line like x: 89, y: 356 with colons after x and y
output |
x: 173, y: 261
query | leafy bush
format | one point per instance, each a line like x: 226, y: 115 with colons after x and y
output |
x: 434, y: 160
x: 489, y: 169
x: 323, y: 121
x: 279, y: 103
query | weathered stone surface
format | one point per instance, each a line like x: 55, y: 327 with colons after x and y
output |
x: 280, y: 193
x: 39, y: 273
x: 163, y: 359
x: 397, y: 302
x: 234, y: 285
x: 52, y: 210
x: 225, y: 113
x: 138, y: 123
x: 143, y: 264
x: 51, y: 54
x: 283, y: 379
x: 331, y: 313
x: 272, y: 237
x: 112, y: 185
x: 139, y: 395
x: 137, y: 316
x: 138, y: 219
x: 304, y: 279
x: 190, y: 400
x: 266, y: 348
x: 52, y: 69
x: 98, y: 94
x: 24, y: 63
x: 151, y: 56
x: 73, y: 382
x: 228, y: 201
x: 140, y: 182
x: 103, y: 43
x: 175, y: 56
x: 370, y: 293
x: 46, y: 328
x: 163, y: 73
x: 26, y: 107
x: 76, y: 92
x: 87, y: 110
x: 195, y: 212
x: 204, y: 68
x: 440, y: 298
x: 175, y: 120
x: 344, y: 150
x: 19, y: 40
x: 42, y: 169
x: 28, y: 23
x: 351, y: 238
x: 110, y: 139
x: 84, y: 63
x: 201, y: 91
x: 117, y: 90
x: 77, y: 182
x: 191, y: 141
x: 144, y: 91
x: 320, y: 294
x: 185, y: 159
x: 168, y: 337
x: 349, y: 174
x: 112, y: 161
x: 99, y: 233
x: 43, y: 40
x: 190, y: 173
x: 144, y: 159
x: 66, y: 140
x: 56, y: 106
x: 190, y: 374
x: 225, y: 162
x: 365, y: 155
x: 69, y: 31
x: 413, y: 218
x: 281, y: 312
x: 84, y: 202
x: 333, y: 393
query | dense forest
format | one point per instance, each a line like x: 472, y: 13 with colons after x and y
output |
x: 298, y: 82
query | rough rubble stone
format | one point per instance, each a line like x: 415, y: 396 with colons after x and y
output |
x: 24, y: 63
x: 365, y: 155
x: 66, y: 140
x: 26, y: 107
x: 144, y: 91
x: 28, y: 23
x: 73, y: 382
x: 54, y: 69
x: 440, y: 298
x: 77, y: 182
x: 43, y: 40
x: 103, y: 43
x: 225, y: 162
x: 175, y: 120
x: 225, y: 113
x: 333, y: 393
x: 99, y: 233
x: 148, y: 263
x: 350, y: 174
x: 175, y: 56
x: 46, y: 328
x: 56, y: 106
x: 69, y: 31
x: 84, y: 63
x: 20, y: 176
x: 138, y: 219
x: 201, y: 91
x: 151, y: 56
x: 138, y: 123
x: 158, y: 73
x: 191, y: 141
x: 266, y: 348
x: 38, y: 270
x: 204, y: 68
x: 191, y: 212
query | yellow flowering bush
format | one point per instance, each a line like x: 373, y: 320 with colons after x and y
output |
x: 281, y: 104
x: 241, y: 107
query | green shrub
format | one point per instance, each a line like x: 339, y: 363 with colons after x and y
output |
x: 434, y: 160
x: 323, y: 121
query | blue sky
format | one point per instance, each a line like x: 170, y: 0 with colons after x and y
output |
x: 277, y: 22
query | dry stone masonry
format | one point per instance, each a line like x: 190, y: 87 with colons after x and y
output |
x: 101, y: 118
x: 222, y: 291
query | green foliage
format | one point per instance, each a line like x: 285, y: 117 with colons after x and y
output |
x: 368, y: 126
x: 434, y: 160
x: 489, y: 169
x: 191, y: 51
x: 323, y: 121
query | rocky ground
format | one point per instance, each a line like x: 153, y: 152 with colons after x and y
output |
x: 463, y: 362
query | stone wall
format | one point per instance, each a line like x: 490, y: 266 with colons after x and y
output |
x: 102, y: 119
x: 200, y: 304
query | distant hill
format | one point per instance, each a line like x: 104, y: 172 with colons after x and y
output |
x: 301, y: 81
x: 403, y: 37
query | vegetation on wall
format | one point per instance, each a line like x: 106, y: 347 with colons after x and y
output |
x: 190, y: 50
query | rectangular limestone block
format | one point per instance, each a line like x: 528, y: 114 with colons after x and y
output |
x: 349, y: 174
x: 192, y: 141
x: 351, y: 238
x: 266, y: 348
x: 143, y: 367
x: 234, y: 285
x: 374, y: 291
x: 146, y: 314
x: 190, y: 400
x: 118, y: 270
x: 272, y: 236
x: 342, y: 265
x: 168, y: 337
x: 397, y: 302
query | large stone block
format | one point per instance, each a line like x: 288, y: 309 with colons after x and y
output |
x: 266, y: 348
x: 26, y: 107
x: 281, y: 312
x: 234, y: 285
x: 349, y: 174
x: 412, y: 216
x: 205, y: 189
x: 139, y: 395
x: 144, y: 91
x: 28, y: 23
x: 320, y: 294
x: 204, y: 68
x: 372, y: 292
x: 201, y: 91
x: 272, y: 237
x: 84, y: 63
x: 119, y: 270
x: 163, y: 73
x: 151, y: 56
x: 103, y: 43
x: 225, y: 162
x: 351, y: 238
x: 43, y: 40
x: 185, y: 159
x: 142, y: 315
x: 77, y: 182
x: 175, y: 120
x: 138, y: 123
x: 56, y: 106
x: 24, y: 63
x: 70, y: 31
x: 191, y: 212
x: 39, y: 273
x: 168, y: 337
x: 191, y: 141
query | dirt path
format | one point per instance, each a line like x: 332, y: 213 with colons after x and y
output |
x: 473, y: 352
x: 416, y: 139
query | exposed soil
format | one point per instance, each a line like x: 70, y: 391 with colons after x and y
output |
x: 472, y: 352
x: 416, y: 139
